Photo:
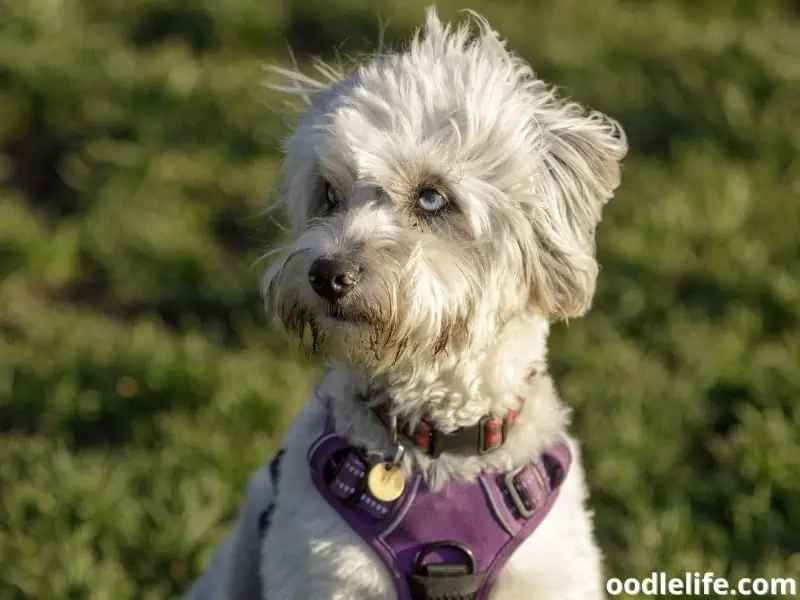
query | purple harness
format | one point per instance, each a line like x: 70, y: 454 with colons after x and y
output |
x: 450, y: 543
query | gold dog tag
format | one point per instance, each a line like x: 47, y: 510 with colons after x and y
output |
x: 386, y: 481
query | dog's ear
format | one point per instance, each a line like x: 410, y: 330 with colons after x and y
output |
x: 580, y: 170
x: 305, y: 96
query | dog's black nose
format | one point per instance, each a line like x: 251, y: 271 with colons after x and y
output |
x: 333, y: 278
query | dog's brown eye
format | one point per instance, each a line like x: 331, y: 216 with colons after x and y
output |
x: 431, y: 201
x: 330, y: 196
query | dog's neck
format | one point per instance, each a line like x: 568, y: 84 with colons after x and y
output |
x: 452, y: 392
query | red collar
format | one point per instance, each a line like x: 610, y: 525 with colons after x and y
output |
x: 489, y: 434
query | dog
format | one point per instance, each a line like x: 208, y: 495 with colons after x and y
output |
x: 443, y: 203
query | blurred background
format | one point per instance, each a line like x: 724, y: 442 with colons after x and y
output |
x: 140, y: 381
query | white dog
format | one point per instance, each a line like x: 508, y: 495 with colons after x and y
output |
x: 443, y: 202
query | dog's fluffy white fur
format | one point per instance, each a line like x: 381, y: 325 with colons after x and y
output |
x: 452, y: 308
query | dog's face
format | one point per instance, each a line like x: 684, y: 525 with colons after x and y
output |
x: 434, y: 194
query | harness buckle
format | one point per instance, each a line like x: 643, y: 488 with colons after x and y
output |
x: 526, y: 512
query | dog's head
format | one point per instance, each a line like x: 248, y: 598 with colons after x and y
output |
x: 434, y: 194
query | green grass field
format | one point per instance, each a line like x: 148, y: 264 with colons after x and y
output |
x: 140, y: 381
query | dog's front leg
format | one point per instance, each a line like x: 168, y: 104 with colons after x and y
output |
x: 233, y: 573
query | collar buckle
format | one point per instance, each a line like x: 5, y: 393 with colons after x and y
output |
x: 492, y: 433
x: 435, y: 446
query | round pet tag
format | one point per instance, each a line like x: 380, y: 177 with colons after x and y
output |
x: 386, y: 482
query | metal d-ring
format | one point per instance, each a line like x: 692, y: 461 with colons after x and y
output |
x: 423, y: 554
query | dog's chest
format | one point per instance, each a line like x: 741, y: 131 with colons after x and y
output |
x: 309, y: 552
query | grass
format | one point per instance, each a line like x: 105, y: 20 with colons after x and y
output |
x: 140, y: 381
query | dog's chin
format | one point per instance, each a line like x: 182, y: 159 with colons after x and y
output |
x: 350, y: 342
x: 344, y: 334
x: 346, y: 315
x: 357, y: 333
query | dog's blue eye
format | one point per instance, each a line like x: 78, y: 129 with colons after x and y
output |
x: 431, y: 201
